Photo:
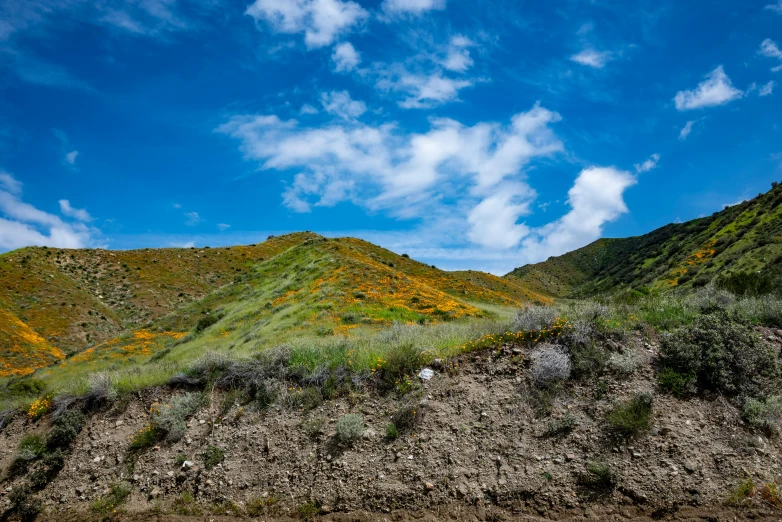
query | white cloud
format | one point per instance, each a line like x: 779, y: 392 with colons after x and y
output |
x: 308, y: 109
x: 76, y: 213
x: 423, y: 91
x: 595, y: 199
x: 321, y: 21
x: 70, y: 158
x: 767, y: 88
x: 769, y: 47
x: 223, y: 226
x: 192, y: 219
x: 345, y: 57
x: 648, y: 164
x: 777, y: 8
x: 411, y: 7
x: 382, y: 168
x: 339, y: 103
x: 686, y: 130
x: 716, y: 89
x: 458, y: 57
x: 592, y: 58
x: 177, y: 205
x: 21, y: 224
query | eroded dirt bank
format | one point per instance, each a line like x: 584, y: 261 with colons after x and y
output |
x: 482, y: 448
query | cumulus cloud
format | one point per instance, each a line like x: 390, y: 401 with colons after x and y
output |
x: 339, y: 103
x: 716, y: 89
x: 648, y: 164
x: 411, y: 7
x: 345, y: 57
x: 321, y: 21
x: 595, y: 199
x: 458, y: 57
x: 686, y: 130
x: 767, y: 88
x: 77, y: 213
x: 769, y: 48
x: 593, y: 58
x: 22, y: 224
x: 408, y: 174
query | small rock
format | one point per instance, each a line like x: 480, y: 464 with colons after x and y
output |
x: 186, y: 465
x: 429, y: 486
x: 637, y: 455
x: 119, y: 423
x: 409, y: 457
x: 155, y: 493
x: 325, y: 508
x: 570, y: 457
x: 170, y: 473
x: 690, y: 466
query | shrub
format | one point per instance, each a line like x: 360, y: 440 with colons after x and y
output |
x: 31, y: 447
x: 40, y: 407
x: 624, y: 363
x: 23, y: 504
x: 747, y: 283
x: 561, y: 426
x: 534, y: 318
x: 118, y: 493
x: 744, y: 490
x: 171, y: 418
x: 65, y: 429
x: 401, y: 360
x: 765, y: 414
x: 678, y: 384
x: 391, y: 431
x: 349, y: 428
x: 101, y: 391
x: 313, y: 427
x: 723, y: 353
x: 407, y: 416
x: 306, y: 399
x: 549, y: 363
x: 213, y: 456
x: 145, y: 437
x: 632, y: 417
x: 205, y: 322
x: 589, y: 359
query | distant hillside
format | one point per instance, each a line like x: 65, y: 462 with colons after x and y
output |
x: 106, y: 305
x: 742, y: 238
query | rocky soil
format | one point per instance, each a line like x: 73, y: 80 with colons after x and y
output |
x: 481, y: 449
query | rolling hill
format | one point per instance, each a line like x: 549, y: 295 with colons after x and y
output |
x: 746, y: 237
x: 99, y: 306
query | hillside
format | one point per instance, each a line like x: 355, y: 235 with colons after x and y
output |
x: 746, y: 237
x: 111, y: 307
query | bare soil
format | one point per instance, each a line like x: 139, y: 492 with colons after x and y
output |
x: 480, y: 450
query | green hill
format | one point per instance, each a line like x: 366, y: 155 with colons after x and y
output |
x: 743, y: 238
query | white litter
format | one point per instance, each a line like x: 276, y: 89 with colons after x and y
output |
x: 426, y: 374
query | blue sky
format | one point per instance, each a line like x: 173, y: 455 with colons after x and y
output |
x: 481, y: 135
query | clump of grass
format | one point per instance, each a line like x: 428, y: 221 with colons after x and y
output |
x: 314, y: 426
x: 406, y: 417
x: 180, y: 459
x: 309, y: 510
x: 598, y: 475
x: 632, y: 417
x: 550, y: 363
x: 743, y: 491
x: 185, y: 505
x: 306, y: 399
x: 145, y: 437
x: 349, y: 428
x: 258, y: 506
x: 31, y: 447
x: 400, y: 361
x: 534, y: 318
x: 117, y: 495
x: 624, y: 363
x: 561, y: 426
x: 213, y: 456
x: 676, y: 383
x: 23, y: 504
x: 170, y: 420
x: 392, y: 433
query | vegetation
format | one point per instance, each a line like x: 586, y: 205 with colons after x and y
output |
x: 213, y: 456
x: 117, y: 495
x: 349, y: 428
x: 633, y: 416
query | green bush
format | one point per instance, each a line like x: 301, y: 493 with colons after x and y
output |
x: 748, y: 283
x: 65, y: 429
x: 599, y: 475
x: 118, y: 493
x: 213, y: 456
x: 633, y: 416
x: 562, y: 425
x: 170, y: 420
x: 23, y: 504
x: 401, y: 360
x: 205, y: 322
x: 31, y: 447
x: 764, y: 414
x: 349, y: 428
x: 723, y: 353
x: 391, y: 431
x: 677, y: 384
x: 407, y: 416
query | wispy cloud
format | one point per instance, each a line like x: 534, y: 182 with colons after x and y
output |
x: 767, y: 88
x: 686, y: 130
x: 648, y: 164
x: 70, y: 157
x: 223, y: 226
x: 458, y: 57
x: 76, y: 213
x: 411, y: 7
x: 593, y: 58
x: 192, y: 219
x: 777, y: 8
x: 421, y: 90
x: 339, y: 103
x: 715, y: 90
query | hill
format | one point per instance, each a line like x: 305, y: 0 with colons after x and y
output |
x: 105, y: 307
x: 742, y: 238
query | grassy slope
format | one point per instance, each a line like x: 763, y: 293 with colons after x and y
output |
x: 744, y: 237
x: 315, y: 289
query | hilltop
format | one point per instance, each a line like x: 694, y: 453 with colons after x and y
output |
x: 110, y: 305
x: 743, y: 238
